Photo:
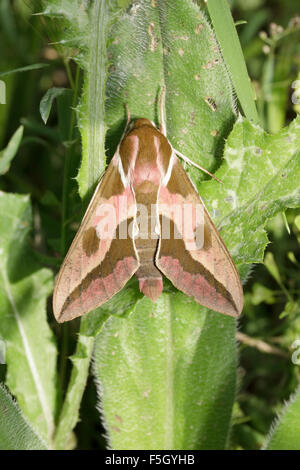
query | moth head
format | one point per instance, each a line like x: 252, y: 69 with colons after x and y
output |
x: 142, y: 122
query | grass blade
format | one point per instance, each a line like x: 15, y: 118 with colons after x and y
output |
x: 233, y: 55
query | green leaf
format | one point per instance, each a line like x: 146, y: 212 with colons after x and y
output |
x: 27, y: 68
x: 285, y: 433
x: 7, y: 155
x: 47, y: 101
x: 233, y: 55
x: 152, y: 47
x: 92, y: 110
x: 261, y: 178
x: 297, y: 222
x: 24, y: 288
x: 262, y: 294
x: 70, y: 412
x: 15, y: 431
x: 166, y: 376
x: 91, y: 325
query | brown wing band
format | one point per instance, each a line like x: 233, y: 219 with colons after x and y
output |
x: 118, y: 251
x: 175, y: 248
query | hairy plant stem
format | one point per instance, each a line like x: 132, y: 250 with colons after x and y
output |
x: 65, y: 198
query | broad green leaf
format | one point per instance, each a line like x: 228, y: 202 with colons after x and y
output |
x: 91, y: 325
x: 15, y: 431
x: 47, y: 101
x: 152, y: 46
x: 166, y: 375
x: 261, y: 178
x: 24, y: 287
x: 7, y: 155
x: 285, y: 433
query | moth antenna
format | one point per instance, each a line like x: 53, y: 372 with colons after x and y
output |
x: 127, y: 121
x: 128, y: 115
x: 190, y: 162
x: 163, y: 127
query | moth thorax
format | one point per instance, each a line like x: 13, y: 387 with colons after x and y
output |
x: 141, y: 122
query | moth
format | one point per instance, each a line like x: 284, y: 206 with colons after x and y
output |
x: 145, y: 218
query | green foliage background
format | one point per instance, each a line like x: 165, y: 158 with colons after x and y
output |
x: 43, y: 161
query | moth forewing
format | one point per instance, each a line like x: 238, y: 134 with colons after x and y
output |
x: 86, y: 279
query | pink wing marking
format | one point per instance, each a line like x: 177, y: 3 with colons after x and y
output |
x: 96, y: 269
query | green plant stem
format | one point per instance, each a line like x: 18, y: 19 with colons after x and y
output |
x: 67, y: 165
x: 70, y: 77
x: 93, y: 126
x: 65, y: 197
x: 69, y: 413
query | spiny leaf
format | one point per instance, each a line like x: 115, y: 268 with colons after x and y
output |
x: 261, y: 178
x: 92, y: 122
x: 285, y: 434
x: 15, y: 431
